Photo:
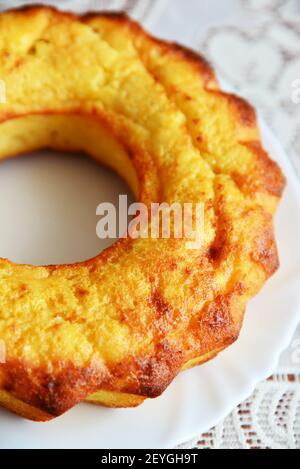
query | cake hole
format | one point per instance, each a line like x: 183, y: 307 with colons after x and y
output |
x: 48, y: 206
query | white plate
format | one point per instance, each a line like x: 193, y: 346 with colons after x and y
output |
x: 203, y: 396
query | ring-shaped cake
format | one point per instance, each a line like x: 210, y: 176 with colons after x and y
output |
x: 118, y: 328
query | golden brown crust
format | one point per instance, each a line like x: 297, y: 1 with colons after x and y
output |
x: 269, y: 171
x: 161, y: 329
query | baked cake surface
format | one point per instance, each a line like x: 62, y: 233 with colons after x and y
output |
x: 118, y: 328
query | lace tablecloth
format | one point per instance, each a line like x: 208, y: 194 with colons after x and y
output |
x: 255, y: 46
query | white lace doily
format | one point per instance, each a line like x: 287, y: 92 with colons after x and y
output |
x: 270, y: 418
x: 255, y: 46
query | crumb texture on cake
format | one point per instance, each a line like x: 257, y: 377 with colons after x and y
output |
x: 118, y: 328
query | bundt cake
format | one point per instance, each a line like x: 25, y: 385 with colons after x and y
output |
x: 118, y: 328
